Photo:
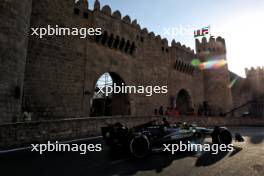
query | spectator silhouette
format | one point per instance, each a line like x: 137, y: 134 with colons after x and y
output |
x: 155, y: 111
x: 161, y: 110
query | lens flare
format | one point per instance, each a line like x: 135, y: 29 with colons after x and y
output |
x: 232, y: 83
x: 195, y: 62
x: 207, y: 52
x: 214, y: 64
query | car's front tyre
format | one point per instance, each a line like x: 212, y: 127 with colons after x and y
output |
x: 139, y: 146
x: 221, y: 135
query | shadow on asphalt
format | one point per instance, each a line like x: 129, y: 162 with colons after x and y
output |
x: 256, y: 134
x: 157, y: 162
x: 130, y: 166
x: 236, y: 151
x: 256, y: 139
x: 96, y: 164
x: 208, y: 158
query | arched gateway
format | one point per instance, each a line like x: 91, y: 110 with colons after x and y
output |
x: 183, y: 102
x: 103, y: 104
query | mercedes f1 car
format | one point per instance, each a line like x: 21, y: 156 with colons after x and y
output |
x: 142, y: 139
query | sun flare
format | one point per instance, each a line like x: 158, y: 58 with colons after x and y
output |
x: 244, y: 40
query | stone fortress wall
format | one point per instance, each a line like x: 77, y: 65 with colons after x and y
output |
x: 216, y: 81
x: 61, y: 72
x: 249, y: 91
x: 14, y: 29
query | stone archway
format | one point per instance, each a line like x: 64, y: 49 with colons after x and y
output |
x: 183, y: 102
x: 112, y: 104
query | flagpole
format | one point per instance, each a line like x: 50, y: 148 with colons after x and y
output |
x: 209, y: 31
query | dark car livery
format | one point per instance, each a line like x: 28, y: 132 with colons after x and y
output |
x: 142, y: 139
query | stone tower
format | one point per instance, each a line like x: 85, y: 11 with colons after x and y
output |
x: 255, y: 80
x: 15, y: 19
x: 216, y: 75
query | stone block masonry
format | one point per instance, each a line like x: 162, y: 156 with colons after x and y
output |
x: 54, y: 77
x: 14, y: 25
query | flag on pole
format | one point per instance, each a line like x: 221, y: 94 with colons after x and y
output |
x: 205, y: 31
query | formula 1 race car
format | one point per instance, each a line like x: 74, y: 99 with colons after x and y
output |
x: 151, y: 136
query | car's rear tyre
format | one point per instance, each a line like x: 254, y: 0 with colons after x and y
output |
x: 139, y: 146
x: 221, y: 136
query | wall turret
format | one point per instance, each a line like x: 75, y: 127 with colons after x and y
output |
x: 210, y: 47
x: 83, y: 4
x: 255, y: 78
x: 212, y: 53
x: 252, y: 72
x: 97, y: 5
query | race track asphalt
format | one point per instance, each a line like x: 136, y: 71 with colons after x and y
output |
x: 246, y: 160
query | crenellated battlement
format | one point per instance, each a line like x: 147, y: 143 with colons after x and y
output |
x: 255, y: 80
x: 179, y: 46
x: 83, y: 5
x: 254, y: 71
x: 212, y: 45
x: 66, y: 68
x: 141, y: 34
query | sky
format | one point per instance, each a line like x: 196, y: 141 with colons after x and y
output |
x: 240, y: 22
